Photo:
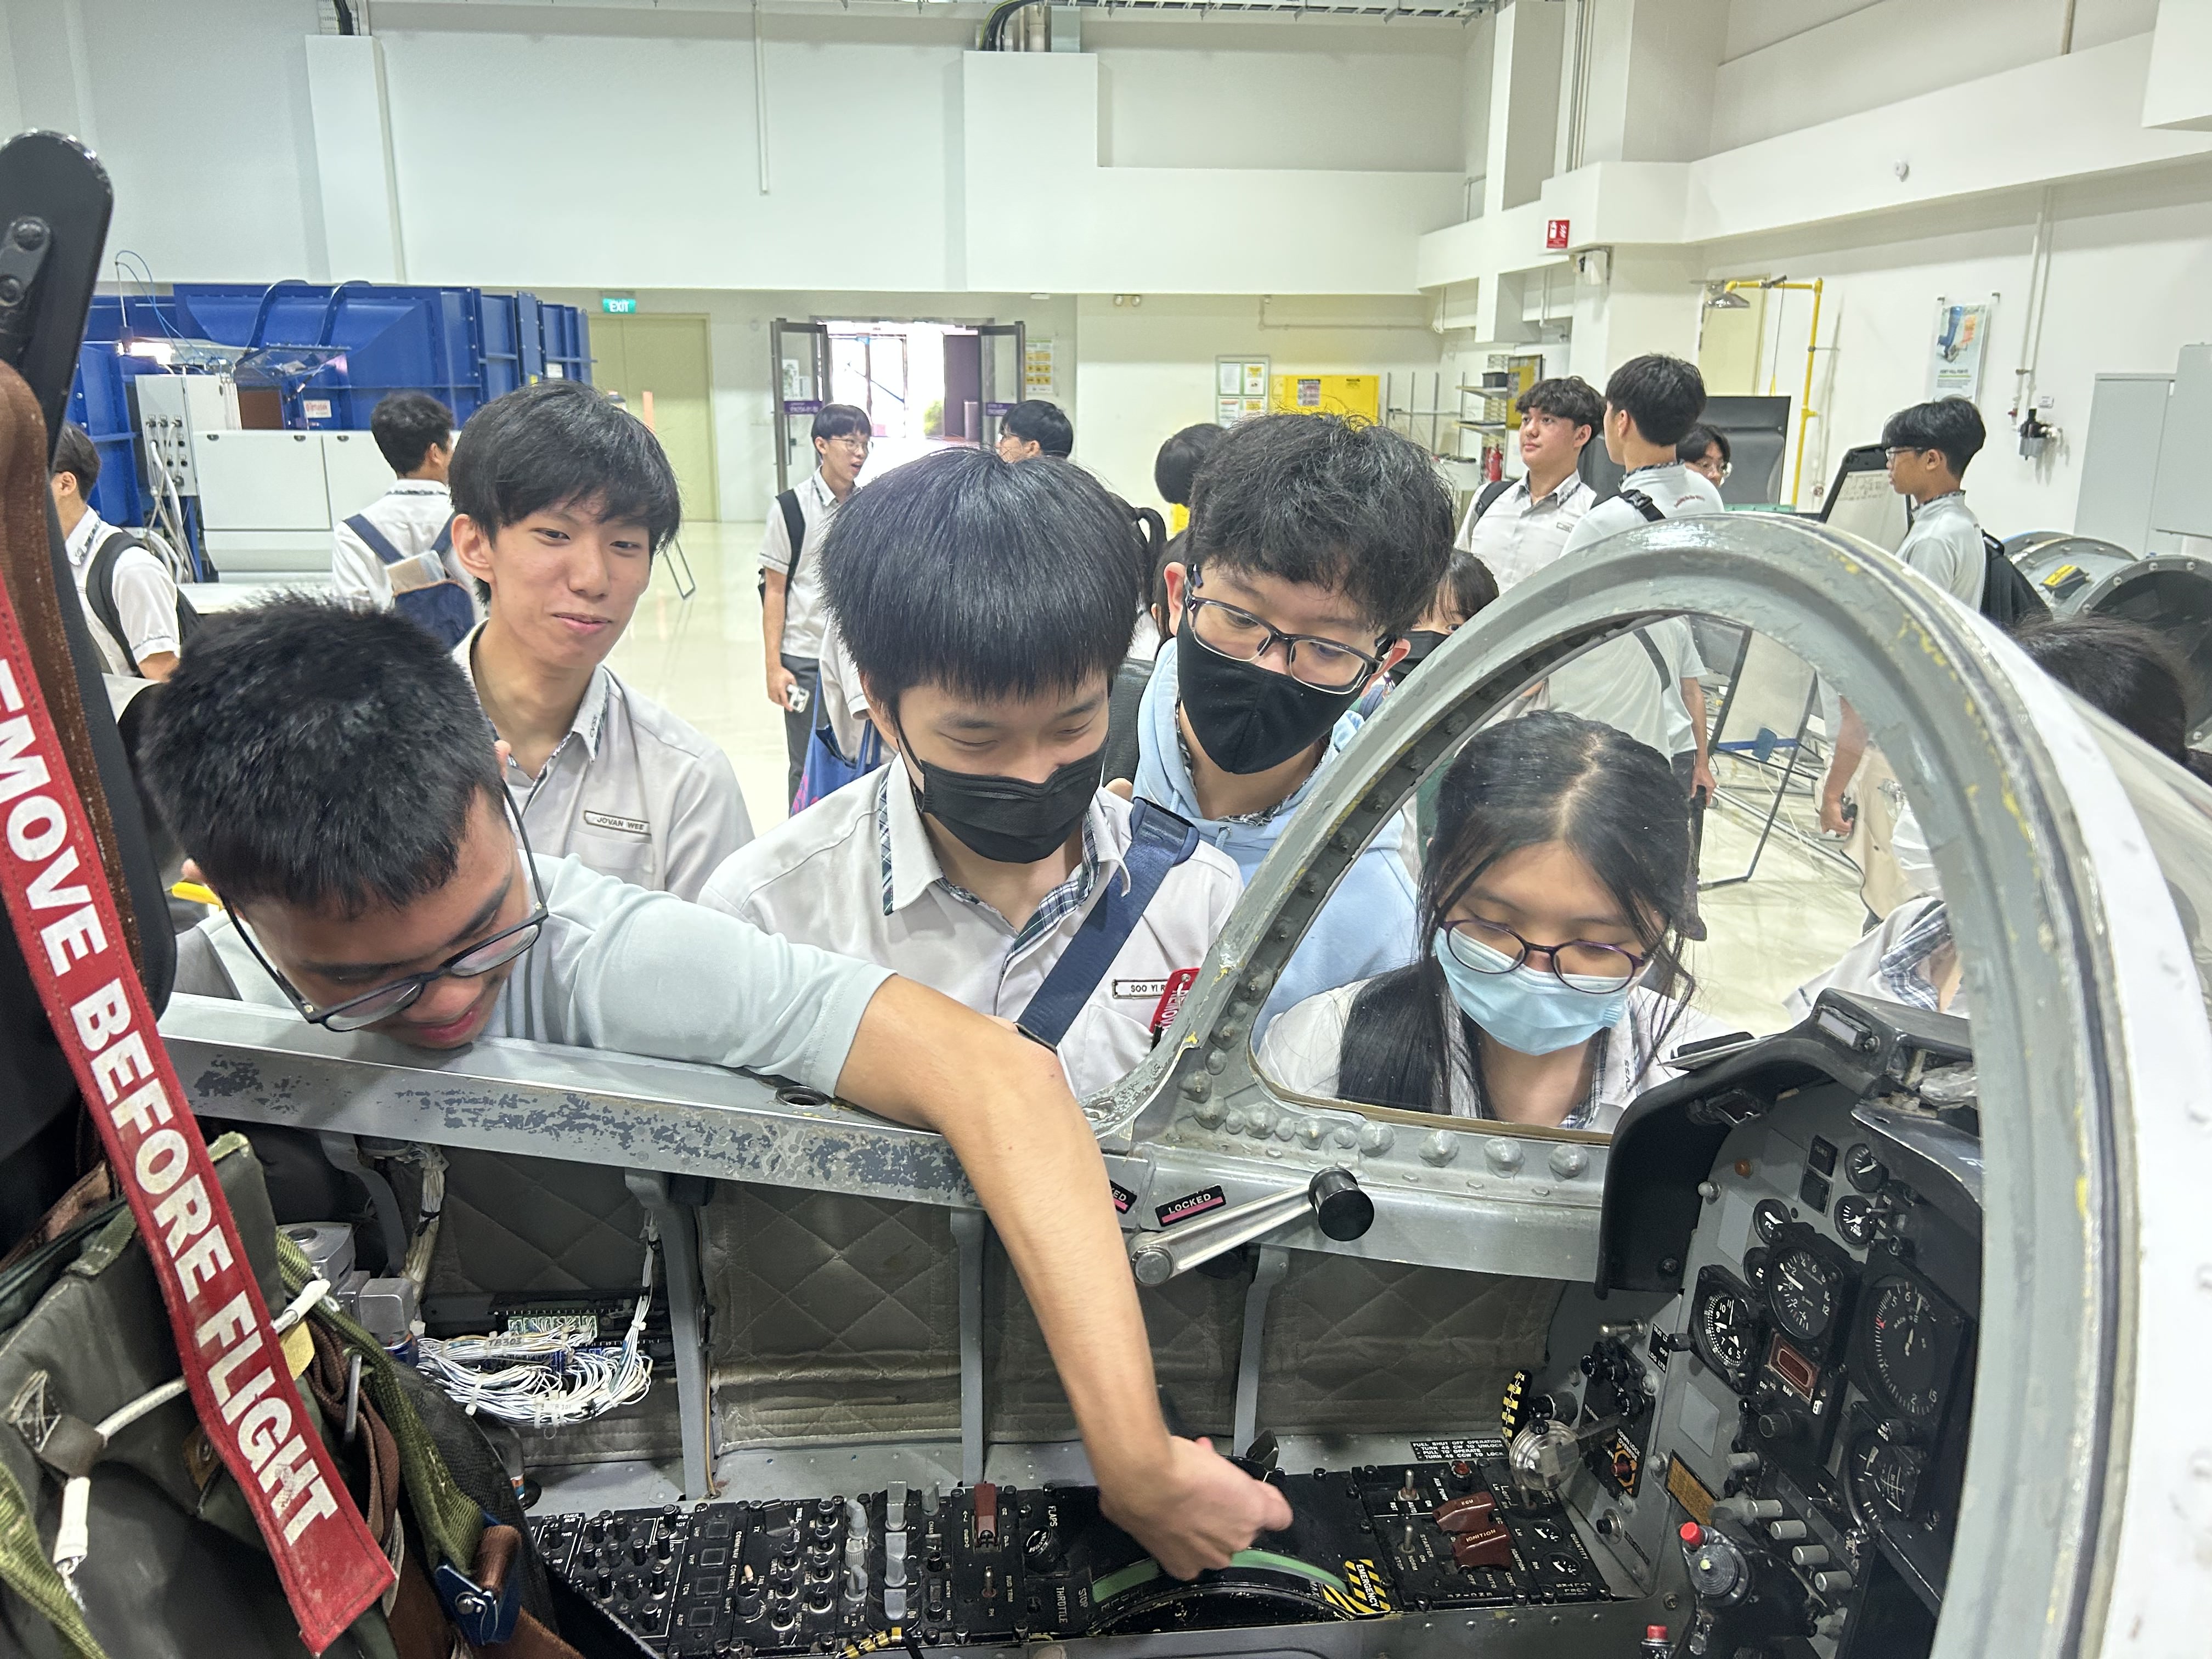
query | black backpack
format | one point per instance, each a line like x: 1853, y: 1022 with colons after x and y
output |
x: 2008, y: 598
x: 100, y: 595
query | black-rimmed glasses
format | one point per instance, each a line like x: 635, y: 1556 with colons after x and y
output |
x: 1579, y: 964
x: 1231, y: 631
x: 473, y: 963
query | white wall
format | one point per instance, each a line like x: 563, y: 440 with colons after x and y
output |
x: 2130, y: 284
x: 1251, y: 94
x: 200, y: 115
x: 1791, y: 64
x: 1144, y: 373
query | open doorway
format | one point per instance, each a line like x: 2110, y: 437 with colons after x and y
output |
x: 925, y: 384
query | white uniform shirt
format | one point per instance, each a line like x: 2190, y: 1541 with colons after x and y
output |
x: 410, y: 514
x: 804, y: 614
x: 1301, y: 1051
x: 145, y: 599
x: 1944, y: 545
x: 639, y: 973
x: 844, y: 703
x: 1617, y: 683
x: 856, y: 873
x: 1521, y: 534
x: 1676, y: 491
x: 631, y: 790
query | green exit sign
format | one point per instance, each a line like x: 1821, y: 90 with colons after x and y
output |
x: 620, y: 305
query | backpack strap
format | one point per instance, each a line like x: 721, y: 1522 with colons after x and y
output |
x: 1657, y: 661
x: 1644, y: 504
x: 794, y: 527
x: 1491, y: 492
x: 99, y: 590
x: 379, y: 543
x: 1158, y: 841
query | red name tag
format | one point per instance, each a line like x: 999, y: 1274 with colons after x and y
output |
x: 1170, y: 1002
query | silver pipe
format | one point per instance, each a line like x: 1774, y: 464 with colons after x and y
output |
x: 760, y: 93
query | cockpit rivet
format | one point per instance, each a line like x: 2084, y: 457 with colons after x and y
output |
x: 1568, y: 1162
x: 1505, y: 1156
x: 1440, y: 1148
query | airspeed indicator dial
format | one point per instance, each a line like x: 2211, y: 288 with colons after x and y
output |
x: 1802, y: 1292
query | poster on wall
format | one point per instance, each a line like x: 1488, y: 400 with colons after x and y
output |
x: 1037, y: 366
x: 1240, y: 388
x: 1960, y: 342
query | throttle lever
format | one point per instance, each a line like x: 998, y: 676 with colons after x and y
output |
x: 1333, y: 1199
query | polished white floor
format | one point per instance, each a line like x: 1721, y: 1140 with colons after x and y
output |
x: 702, y: 657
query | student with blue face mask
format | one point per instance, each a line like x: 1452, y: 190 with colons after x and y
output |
x: 1550, y: 989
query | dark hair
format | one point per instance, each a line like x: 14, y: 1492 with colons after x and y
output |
x: 843, y: 420
x: 1354, y: 508
x: 1701, y: 441
x: 1046, y: 425
x: 1546, y: 777
x: 990, y: 578
x: 1663, y: 395
x: 1468, y: 584
x: 2122, y: 669
x: 1952, y: 425
x: 76, y: 454
x: 320, y: 755
x: 405, y: 425
x: 561, y: 443
x: 1179, y: 460
x: 1566, y: 397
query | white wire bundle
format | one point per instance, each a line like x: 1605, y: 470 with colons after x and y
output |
x: 540, y: 1377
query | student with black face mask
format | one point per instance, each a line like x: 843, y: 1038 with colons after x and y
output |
x: 1314, y: 546
x: 986, y: 606
x: 1467, y: 589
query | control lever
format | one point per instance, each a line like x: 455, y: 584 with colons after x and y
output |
x: 1333, y: 1199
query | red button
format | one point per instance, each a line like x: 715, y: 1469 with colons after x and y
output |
x: 1693, y: 1533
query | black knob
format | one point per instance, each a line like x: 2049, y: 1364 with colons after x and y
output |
x: 1043, y: 1550
x: 603, y: 1585
x: 657, y: 1579
x: 1779, y: 1424
x: 596, y: 1526
x: 750, y: 1603
x: 782, y: 1578
x: 819, y: 1600
x: 629, y: 1584
x: 664, y: 1547
x: 1338, y: 1205
x: 618, y: 1527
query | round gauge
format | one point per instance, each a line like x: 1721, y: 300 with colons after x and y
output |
x: 1864, y: 1169
x: 1802, y: 1290
x: 1855, y: 1221
x: 1886, y: 1479
x: 1757, y: 1262
x: 1768, y: 1220
x: 1909, y: 1341
x: 1724, y: 1333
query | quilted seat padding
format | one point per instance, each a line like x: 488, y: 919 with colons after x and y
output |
x: 535, y: 1225
x: 835, y: 1317
x: 1378, y: 1348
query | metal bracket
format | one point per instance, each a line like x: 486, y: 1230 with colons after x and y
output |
x: 677, y: 1223
x: 1274, y: 1262
x: 970, y: 1229
x: 1332, y: 1199
x: 23, y: 256
x: 344, y: 1153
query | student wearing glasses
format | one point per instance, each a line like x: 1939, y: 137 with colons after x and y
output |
x: 1550, y: 989
x: 1706, y: 452
x: 1312, y: 548
x: 329, y: 776
x: 1928, y: 447
x: 793, y: 623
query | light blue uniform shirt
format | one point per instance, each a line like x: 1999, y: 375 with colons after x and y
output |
x: 1365, y: 928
